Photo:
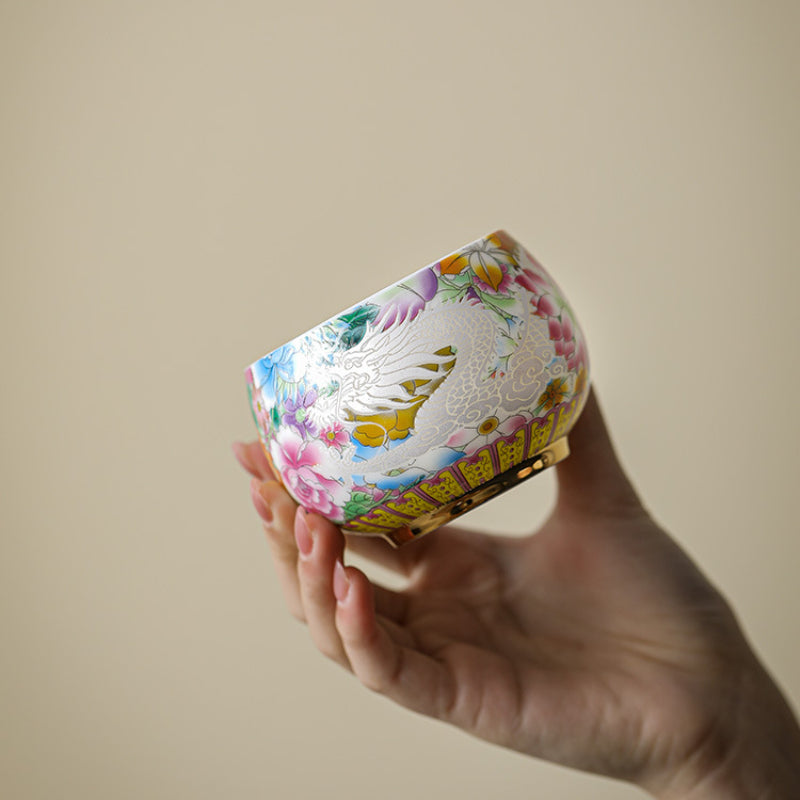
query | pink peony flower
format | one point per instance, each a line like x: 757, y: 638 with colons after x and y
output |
x: 298, y: 462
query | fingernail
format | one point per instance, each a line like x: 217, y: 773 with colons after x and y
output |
x: 259, y: 501
x: 341, y: 586
x: 302, y: 534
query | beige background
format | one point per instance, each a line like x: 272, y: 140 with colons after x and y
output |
x: 184, y: 186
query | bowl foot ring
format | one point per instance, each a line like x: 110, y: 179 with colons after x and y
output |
x: 552, y: 454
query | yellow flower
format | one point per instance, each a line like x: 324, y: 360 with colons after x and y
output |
x: 554, y: 394
x: 485, y: 259
x: 488, y: 425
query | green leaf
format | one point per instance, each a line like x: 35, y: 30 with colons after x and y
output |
x: 360, y: 315
x: 505, y: 302
x: 355, y: 324
x: 358, y: 504
x: 490, y: 303
x: 461, y: 279
x: 451, y: 294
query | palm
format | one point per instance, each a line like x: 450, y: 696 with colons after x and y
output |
x: 557, y: 645
x: 582, y: 644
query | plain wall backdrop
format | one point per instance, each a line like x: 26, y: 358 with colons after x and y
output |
x: 186, y: 185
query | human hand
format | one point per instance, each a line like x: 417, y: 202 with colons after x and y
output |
x: 595, y: 642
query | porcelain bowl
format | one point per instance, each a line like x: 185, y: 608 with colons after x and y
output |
x: 427, y: 398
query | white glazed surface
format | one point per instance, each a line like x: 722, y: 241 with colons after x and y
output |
x: 417, y: 381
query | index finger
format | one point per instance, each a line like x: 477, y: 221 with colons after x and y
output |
x: 253, y: 459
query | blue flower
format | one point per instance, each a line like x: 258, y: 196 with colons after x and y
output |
x: 272, y: 373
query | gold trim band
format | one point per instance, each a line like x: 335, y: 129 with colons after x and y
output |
x: 555, y: 452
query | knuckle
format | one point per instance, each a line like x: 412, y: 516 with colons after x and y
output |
x: 329, y: 651
x: 376, y: 681
x: 373, y: 683
x: 297, y: 611
x: 332, y: 651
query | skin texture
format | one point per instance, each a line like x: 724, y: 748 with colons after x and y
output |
x: 595, y: 643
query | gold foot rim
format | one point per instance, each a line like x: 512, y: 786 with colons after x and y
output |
x: 551, y: 455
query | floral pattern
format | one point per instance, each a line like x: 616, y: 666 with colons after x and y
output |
x: 297, y: 460
x: 452, y: 362
x: 296, y: 413
x: 335, y: 436
x: 406, y: 300
x: 470, y: 440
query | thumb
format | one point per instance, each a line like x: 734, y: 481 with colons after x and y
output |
x: 591, y: 478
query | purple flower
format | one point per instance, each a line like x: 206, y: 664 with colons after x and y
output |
x: 472, y: 296
x: 425, y: 283
x: 296, y: 414
x: 408, y: 300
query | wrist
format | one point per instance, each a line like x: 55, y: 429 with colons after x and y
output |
x: 751, y: 754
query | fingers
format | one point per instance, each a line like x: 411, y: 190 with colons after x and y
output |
x: 321, y: 546
x: 277, y: 512
x: 252, y: 458
x: 591, y: 478
x: 384, y: 662
x: 356, y: 624
x: 305, y: 549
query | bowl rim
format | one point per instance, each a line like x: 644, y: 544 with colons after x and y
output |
x: 377, y: 294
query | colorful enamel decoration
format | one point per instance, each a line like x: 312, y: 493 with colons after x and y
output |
x: 429, y: 397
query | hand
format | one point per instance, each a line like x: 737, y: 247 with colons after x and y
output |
x: 595, y: 642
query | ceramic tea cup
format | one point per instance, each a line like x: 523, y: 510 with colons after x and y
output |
x: 427, y: 398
